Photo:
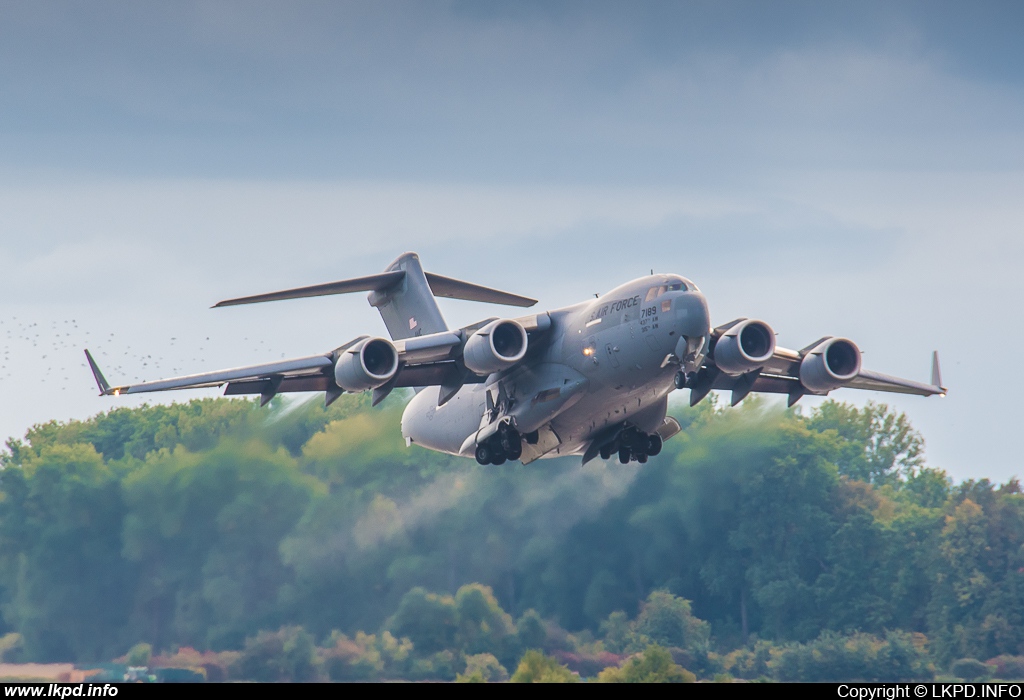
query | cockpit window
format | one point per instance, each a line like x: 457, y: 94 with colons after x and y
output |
x: 680, y: 286
x: 654, y: 292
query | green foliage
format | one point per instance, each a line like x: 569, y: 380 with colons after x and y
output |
x: 11, y: 644
x: 977, y: 605
x: 442, y: 666
x: 484, y: 628
x: 204, y: 530
x: 666, y: 620
x: 971, y: 669
x: 876, y: 445
x: 758, y: 541
x: 60, y: 554
x: 482, y: 668
x: 531, y: 631
x: 617, y: 632
x: 366, y: 657
x: 429, y: 620
x: 653, y: 665
x: 750, y: 663
x: 857, y: 657
x: 535, y: 667
x: 214, y: 666
x: 289, y: 654
x: 139, y: 655
x: 1007, y: 667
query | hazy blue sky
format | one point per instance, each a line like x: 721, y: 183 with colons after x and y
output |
x: 853, y: 169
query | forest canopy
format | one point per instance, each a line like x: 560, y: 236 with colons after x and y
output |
x: 760, y: 539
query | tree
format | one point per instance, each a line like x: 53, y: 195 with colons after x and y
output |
x: 653, y: 665
x: 140, y: 654
x: 288, y: 654
x: 482, y: 668
x: 879, y: 445
x: 535, y: 667
x: 429, y: 620
x: 60, y: 554
x: 665, y: 619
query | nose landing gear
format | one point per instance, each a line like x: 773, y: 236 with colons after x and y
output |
x: 632, y: 445
x: 506, y: 444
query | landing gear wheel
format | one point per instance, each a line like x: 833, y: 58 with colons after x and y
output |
x: 624, y: 455
x: 516, y: 451
x: 498, y: 461
x: 642, y: 458
x: 606, y: 451
x: 680, y: 380
x: 654, y: 443
x: 483, y: 454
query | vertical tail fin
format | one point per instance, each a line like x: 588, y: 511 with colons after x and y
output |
x: 408, y: 307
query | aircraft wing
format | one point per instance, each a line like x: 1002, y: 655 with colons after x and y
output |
x: 429, y: 360
x: 299, y: 374
x: 781, y: 375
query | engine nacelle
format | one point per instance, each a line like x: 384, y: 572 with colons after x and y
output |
x: 494, y: 347
x: 366, y: 365
x: 745, y: 347
x: 830, y: 365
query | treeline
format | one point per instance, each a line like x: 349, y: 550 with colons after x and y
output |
x: 213, y: 525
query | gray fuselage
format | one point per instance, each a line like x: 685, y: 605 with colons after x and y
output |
x: 603, y: 363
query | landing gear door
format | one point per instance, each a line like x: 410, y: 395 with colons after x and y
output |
x: 668, y: 428
x: 547, y: 440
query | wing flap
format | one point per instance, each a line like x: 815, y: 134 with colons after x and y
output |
x: 288, y: 384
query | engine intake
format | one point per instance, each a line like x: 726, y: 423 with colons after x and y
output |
x: 830, y: 365
x: 366, y: 365
x: 745, y: 347
x: 494, y: 347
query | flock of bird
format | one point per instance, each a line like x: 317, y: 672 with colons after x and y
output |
x: 59, y: 344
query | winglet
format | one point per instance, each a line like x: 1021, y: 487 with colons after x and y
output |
x: 936, y: 375
x: 101, y: 382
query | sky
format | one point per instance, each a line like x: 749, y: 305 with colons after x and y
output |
x: 851, y: 169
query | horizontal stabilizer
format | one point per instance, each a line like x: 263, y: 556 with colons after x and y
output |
x: 369, y: 283
x: 457, y: 289
x: 440, y: 286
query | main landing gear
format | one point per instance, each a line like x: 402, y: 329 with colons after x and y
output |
x: 506, y: 444
x: 633, y: 444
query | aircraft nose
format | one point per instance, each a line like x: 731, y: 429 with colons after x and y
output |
x: 693, y: 323
x: 692, y: 317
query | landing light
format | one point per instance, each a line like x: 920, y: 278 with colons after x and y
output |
x: 588, y: 351
x: 117, y: 392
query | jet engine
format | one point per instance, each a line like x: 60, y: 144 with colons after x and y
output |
x: 494, y: 347
x: 830, y: 365
x: 366, y: 365
x: 745, y: 347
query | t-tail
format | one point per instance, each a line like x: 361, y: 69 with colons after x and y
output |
x: 404, y: 295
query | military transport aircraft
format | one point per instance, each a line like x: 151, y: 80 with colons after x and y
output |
x: 589, y: 379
